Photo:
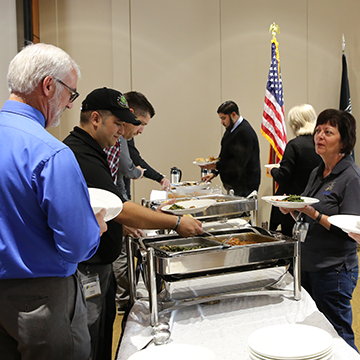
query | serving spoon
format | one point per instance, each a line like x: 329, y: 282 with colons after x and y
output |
x: 160, y: 337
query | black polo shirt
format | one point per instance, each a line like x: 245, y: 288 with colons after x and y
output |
x: 339, y: 193
x: 96, y: 171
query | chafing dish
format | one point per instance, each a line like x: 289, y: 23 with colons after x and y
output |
x: 226, y: 206
x: 212, y: 270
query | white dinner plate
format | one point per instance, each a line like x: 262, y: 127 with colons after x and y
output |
x: 276, y: 201
x: 348, y: 223
x: 190, y: 206
x: 174, y: 352
x: 272, y: 165
x: 204, y: 163
x: 103, y: 199
x: 290, y: 341
x: 327, y: 356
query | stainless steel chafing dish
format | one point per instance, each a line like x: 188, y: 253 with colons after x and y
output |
x: 226, y: 206
x: 205, y: 269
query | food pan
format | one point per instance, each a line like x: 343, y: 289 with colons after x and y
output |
x: 214, y: 257
x: 199, y: 244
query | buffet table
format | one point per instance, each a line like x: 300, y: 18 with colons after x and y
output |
x: 224, y: 326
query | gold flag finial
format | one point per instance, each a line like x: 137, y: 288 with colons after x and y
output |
x: 274, y: 28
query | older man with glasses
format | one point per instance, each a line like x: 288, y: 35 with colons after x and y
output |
x: 47, y: 225
x: 73, y: 93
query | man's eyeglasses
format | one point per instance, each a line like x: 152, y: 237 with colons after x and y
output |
x: 73, y: 93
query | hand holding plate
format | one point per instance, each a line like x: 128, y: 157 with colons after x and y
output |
x: 100, y: 219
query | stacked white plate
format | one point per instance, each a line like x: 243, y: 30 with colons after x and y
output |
x: 290, y: 342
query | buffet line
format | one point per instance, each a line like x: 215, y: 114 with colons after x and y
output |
x: 226, y: 261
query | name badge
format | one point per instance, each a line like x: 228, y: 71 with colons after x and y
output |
x: 91, y: 285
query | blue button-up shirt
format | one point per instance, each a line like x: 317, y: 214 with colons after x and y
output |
x: 47, y: 225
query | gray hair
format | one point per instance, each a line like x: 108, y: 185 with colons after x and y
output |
x: 302, y: 119
x: 36, y: 61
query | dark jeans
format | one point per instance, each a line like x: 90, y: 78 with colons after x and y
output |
x: 332, y: 291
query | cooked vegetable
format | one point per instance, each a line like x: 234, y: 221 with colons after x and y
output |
x: 176, y: 207
x: 175, y: 248
x: 293, y: 198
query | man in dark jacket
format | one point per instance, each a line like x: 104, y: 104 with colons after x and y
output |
x: 239, y: 164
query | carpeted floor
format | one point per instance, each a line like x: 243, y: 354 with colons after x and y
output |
x: 356, y: 314
x: 116, y: 334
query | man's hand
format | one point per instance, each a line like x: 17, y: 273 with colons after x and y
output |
x: 100, y: 219
x: 189, y: 227
x: 208, y: 177
x: 136, y: 233
x: 142, y: 172
x: 165, y: 184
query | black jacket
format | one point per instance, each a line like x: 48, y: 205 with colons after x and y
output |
x: 96, y: 171
x: 239, y: 164
x: 297, y: 163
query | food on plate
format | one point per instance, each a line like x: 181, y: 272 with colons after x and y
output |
x: 234, y: 241
x: 175, y: 248
x: 188, y: 183
x: 207, y: 159
x: 293, y: 198
x: 176, y: 207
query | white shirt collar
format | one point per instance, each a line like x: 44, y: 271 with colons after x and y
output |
x: 238, y: 122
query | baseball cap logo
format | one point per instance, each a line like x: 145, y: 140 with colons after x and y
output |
x: 122, y: 101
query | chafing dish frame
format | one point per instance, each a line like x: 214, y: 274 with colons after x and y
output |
x: 232, y: 206
x: 285, y: 248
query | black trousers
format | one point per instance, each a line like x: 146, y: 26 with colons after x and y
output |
x: 42, y: 319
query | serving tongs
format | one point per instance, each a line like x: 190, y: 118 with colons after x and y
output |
x: 223, y: 244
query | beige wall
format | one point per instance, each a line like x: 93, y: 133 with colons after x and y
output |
x: 8, y: 44
x: 189, y: 56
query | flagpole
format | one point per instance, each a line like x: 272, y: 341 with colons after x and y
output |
x: 345, y: 99
x: 274, y: 29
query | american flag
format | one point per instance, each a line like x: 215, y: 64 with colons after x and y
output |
x: 273, y: 123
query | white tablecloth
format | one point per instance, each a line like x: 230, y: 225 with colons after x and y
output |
x: 224, y: 327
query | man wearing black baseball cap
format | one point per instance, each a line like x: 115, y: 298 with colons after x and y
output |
x: 103, y: 114
x: 112, y: 100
